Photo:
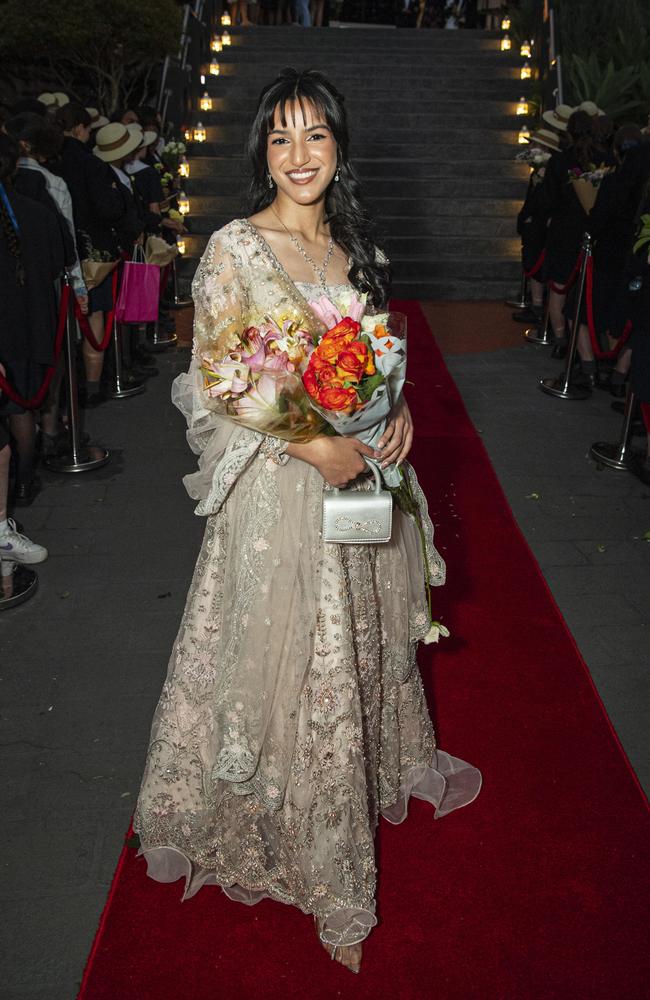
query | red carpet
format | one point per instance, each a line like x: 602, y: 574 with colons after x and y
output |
x: 538, y: 890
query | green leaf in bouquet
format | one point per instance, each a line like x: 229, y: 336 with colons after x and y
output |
x: 368, y: 386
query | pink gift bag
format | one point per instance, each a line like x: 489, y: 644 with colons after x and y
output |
x: 137, y: 301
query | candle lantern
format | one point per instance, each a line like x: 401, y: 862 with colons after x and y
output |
x: 522, y: 106
x: 523, y: 137
x: 225, y: 39
x: 183, y: 203
x: 181, y: 246
x: 187, y: 134
x: 216, y: 44
x: 225, y: 19
x: 506, y: 44
x: 525, y: 71
x: 524, y: 51
x: 184, y: 168
x: 505, y: 23
x: 214, y: 69
x: 206, y: 102
x: 199, y: 132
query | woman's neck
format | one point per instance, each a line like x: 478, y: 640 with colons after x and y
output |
x: 307, y: 221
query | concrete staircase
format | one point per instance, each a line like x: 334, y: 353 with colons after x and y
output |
x: 433, y: 130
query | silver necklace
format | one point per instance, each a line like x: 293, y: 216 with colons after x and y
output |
x: 320, y: 272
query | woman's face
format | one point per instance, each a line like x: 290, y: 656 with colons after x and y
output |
x: 302, y: 154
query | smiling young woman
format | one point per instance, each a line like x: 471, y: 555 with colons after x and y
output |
x: 293, y: 713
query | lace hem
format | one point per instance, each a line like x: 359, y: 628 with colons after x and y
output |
x: 449, y: 783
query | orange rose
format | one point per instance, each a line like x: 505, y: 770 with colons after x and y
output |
x: 330, y: 376
x: 330, y: 347
x: 346, y: 326
x: 369, y: 367
x: 310, y: 383
x: 337, y: 399
x: 317, y: 361
x: 350, y: 365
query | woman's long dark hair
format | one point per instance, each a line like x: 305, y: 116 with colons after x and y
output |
x: 348, y: 218
x: 8, y: 161
x: 584, y: 144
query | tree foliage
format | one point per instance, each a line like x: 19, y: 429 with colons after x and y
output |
x: 99, y: 49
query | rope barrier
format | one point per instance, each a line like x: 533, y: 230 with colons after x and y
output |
x: 37, y: 399
x: 563, y: 289
x: 84, y: 325
x: 535, y: 268
x: 622, y: 340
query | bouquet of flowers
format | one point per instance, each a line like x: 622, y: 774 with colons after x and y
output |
x: 259, y: 384
x: 172, y: 153
x: 283, y: 381
x: 356, y: 372
x: 534, y: 156
x: 586, y: 183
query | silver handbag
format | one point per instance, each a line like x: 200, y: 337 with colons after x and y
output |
x: 358, y: 517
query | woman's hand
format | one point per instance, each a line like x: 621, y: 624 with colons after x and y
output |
x: 395, y: 443
x: 83, y: 304
x: 338, y: 459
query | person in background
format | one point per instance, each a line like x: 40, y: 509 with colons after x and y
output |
x: 14, y: 546
x: 239, y: 13
x: 31, y: 259
x: 98, y: 208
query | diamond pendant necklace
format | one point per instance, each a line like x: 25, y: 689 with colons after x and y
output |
x: 320, y: 272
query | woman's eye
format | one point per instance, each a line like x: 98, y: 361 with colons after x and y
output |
x: 317, y: 135
x: 276, y: 142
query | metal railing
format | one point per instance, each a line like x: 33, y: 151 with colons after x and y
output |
x: 179, y: 83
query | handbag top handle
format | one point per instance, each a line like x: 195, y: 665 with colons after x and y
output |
x: 375, y: 471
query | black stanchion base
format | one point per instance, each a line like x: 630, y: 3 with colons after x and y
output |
x: 556, y: 387
x: 517, y: 303
x: 87, y: 458
x: 611, y: 455
x: 180, y: 303
x: 17, y: 584
x: 535, y: 335
x: 158, y: 344
x: 119, y: 391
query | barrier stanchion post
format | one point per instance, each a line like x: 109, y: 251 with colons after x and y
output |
x: 17, y: 584
x: 541, y: 334
x: 561, y: 387
x: 121, y: 389
x: 615, y: 456
x: 177, y: 301
x: 79, y: 457
x: 160, y: 341
x: 522, y: 301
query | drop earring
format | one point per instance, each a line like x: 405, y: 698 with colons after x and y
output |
x: 337, y: 176
x: 269, y: 179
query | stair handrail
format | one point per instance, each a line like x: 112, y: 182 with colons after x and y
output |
x: 179, y: 84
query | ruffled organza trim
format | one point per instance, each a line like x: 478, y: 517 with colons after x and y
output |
x: 449, y: 783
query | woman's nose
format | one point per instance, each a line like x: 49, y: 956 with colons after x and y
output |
x: 299, y: 154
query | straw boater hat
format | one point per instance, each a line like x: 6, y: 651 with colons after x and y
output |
x: 96, y: 120
x: 591, y: 108
x: 146, y: 138
x: 49, y: 100
x: 544, y: 137
x: 60, y: 98
x: 114, y: 141
x: 558, y: 117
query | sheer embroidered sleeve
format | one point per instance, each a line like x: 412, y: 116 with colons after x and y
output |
x: 220, y: 297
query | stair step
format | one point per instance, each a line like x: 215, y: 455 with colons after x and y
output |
x: 218, y: 134
x: 433, y: 88
x: 390, y: 118
x: 450, y: 187
x: 344, y: 77
x: 206, y: 173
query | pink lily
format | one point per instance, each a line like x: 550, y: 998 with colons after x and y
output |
x: 326, y: 311
x: 259, y: 402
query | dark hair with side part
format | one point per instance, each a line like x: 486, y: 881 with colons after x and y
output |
x: 71, y: 115
x: 580, y: 128
x: 8, y: 161
x: 43, y: 137
x: 345, y: 211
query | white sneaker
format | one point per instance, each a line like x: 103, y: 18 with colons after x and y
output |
x: 15, y: 547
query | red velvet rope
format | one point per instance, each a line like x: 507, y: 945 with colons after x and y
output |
x: 35, y: 401
x: 533, y: 271
x: 625, y: 336
x: 84, y: 325
x: 563, y: 289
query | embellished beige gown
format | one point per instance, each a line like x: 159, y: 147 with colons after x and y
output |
x: 293, y: 713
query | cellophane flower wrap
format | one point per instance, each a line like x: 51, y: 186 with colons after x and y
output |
x: 259, y: 383
x: 356, y: 372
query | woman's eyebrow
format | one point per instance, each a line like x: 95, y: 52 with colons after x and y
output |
x: 284, y: 131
